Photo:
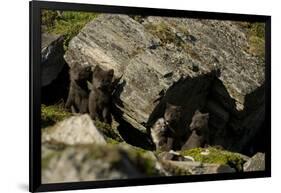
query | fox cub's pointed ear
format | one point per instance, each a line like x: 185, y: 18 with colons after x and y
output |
x: 206, y: 115
x: 111, y: 72
x: 97, y: 69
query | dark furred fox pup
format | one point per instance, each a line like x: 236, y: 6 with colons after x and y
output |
x: 78, y: 94
x: 199, y: 131
x: 100, y: 99
x: 172, y: 115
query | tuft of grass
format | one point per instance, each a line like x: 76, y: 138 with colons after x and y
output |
x: 67, y: 23
x: 216, y: 156
x: 52, y: 114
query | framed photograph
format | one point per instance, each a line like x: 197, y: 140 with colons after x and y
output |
x: 126, y: 96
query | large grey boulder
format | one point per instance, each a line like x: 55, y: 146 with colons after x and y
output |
x: 255, y: 163
x: 188, y: 62
x: 74, y: 130
x: 52, y: 60
x: 94, y: 162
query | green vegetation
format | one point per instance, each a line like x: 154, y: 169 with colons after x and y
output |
x: 217, y: 156
x: 112, y: 141
x: 167, y: 36
x: 143, y: 160
x: 52, y: 114
x: 67, y: 23
x: 163, y: 32
x: 109, y: 132
x: 256, y: 36
x: 255, y: 33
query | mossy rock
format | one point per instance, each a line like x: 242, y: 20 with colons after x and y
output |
x: 163, y: 32
x: 216, y: 156
x: 112, y: 135
x: 52, y: 114
x: 255, y: 33
x: 144, y: 159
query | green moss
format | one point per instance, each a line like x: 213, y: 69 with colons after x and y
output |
x: 67, y: 23
x: 108, y: 131
x: 256, y: 36
x: 255, y: 33
x: 257, y: 29
x: 163, y: 32
x: 216, y: 156
x: 52, y: 114
x: 167, y: 36
x: 143, y: 160
x: 112, y: 141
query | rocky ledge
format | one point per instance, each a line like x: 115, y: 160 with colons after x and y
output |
x: 197, y: 64
x: 71, y: 156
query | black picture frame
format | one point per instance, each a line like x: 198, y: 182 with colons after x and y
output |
x: 35, y: 8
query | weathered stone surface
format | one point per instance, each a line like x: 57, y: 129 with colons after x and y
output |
x: 52, y: 60
x: 74, y: 130
x: 255, y: 163
x: 195, y: 168
x: 92, y: 162
x: 186, y: 62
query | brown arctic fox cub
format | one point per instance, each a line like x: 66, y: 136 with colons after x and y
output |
x: 199, y: 131
x: 78, y: 95
x: 100, y: 99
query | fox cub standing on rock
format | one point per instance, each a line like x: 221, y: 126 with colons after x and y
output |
x: 164, y: 130
x: 78, y: 94
x: 199, y: 131
x: 100, y: 99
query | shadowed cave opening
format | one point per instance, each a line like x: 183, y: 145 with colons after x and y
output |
x: 239, y: 131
